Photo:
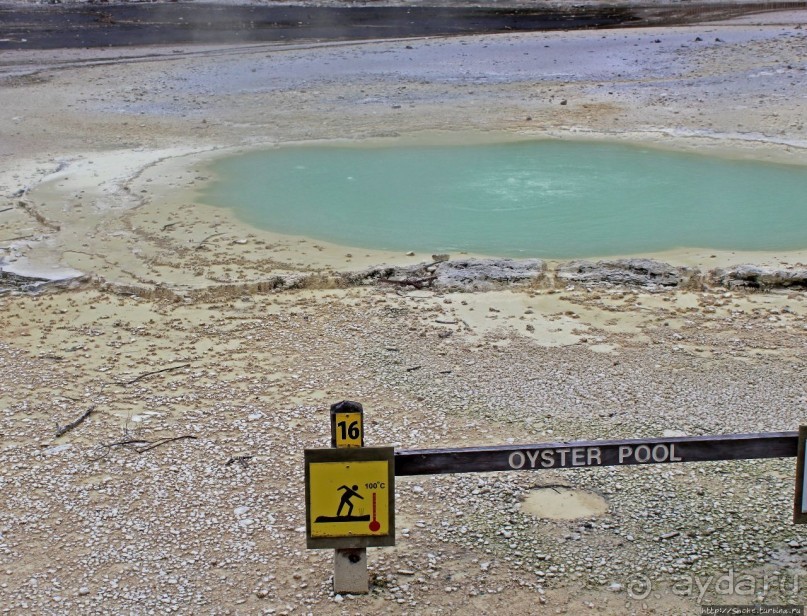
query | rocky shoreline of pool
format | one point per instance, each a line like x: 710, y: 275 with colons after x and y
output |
x: 457, y: 275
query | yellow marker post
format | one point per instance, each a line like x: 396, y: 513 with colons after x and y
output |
x: 349, y: 498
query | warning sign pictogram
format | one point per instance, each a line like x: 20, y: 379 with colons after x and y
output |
x: 350, y: 497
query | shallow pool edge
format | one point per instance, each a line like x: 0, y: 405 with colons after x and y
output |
x: 316, y: 255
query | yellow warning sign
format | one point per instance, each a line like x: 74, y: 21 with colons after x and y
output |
x: 350, y: 497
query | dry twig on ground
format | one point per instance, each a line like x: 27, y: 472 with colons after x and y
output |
x: 142, y: 445
x: 19, y: 237
x: 60, y: 430
x: 242, y: 460
x: 152, y: 373
x: 418, y: 283
x: 209, y: 237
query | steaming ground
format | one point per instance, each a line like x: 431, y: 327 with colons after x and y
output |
x: 101, y: 156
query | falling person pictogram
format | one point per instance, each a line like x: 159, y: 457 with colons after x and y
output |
x: 347, y: 495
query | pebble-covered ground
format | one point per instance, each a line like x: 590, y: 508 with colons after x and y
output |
x: 92, y: 525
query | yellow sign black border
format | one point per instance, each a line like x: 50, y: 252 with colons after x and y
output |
x: 352, y: 454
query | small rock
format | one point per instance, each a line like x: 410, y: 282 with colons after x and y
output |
x: 755, y: 277
x: 637, y: 272
x: 486, y: 274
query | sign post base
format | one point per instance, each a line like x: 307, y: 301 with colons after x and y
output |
x: 350, y: 571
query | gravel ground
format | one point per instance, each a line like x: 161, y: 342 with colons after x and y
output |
x: 91, y: 527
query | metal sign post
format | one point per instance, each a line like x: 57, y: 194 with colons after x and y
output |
x: 800, y: 502
x: 350, y: 498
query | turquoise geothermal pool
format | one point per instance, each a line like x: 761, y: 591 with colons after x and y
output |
x: 552, y: 199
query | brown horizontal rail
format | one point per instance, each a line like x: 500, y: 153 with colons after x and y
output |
x: 582, y: 454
